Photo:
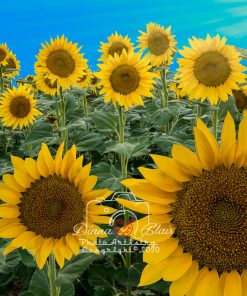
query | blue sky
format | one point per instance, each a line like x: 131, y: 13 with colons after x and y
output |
x: 25, y: 24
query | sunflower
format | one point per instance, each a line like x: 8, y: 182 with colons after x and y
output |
x: 44, y: 84
x: 17, y: 107
x: 241, y: 98
x: 126, y: 78
x: 176, y: 88
x: 210, y: 69
x: 61, y: 62
x: 62, y: 192
x: 4, y: 53
x: 12, y: 64
x: 178, y: 91
x: 159, y: 42
x: 85, y: 79
x: 198, y: 221
x: 116, y: 43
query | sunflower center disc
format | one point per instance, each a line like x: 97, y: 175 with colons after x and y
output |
x: 241, y: 99
x: 2, y: 55
x: 20, y: 107
x: 158, y: 43
x: 212, y: 69
x: 125, y: 79
x: 51, y: 207
x: 10, y: 64
x: 94, y: 80
x: 61, y: 63
x: 49, y: 84
x: 83, y: 78
x: 117, y: 47
x: 210, y: 215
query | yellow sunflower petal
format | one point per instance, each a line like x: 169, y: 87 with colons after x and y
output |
x: 233, y: 284
x: 228, y: 141
x: 185, y: 282
x: 172, y: 272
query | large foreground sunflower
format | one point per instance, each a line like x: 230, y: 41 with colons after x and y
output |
x: 17, y: 107
x: 198, y: 215
x: 12, y: 66
x: 125, y: 79
x: 159, y: 42
x: 210, y: 69
x: 47, y: 202
x: 116, y: 43
x: 61, y: 61
x: 44, y: 84
x: 4, y: 52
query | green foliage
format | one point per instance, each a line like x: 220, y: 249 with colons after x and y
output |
x: 149, y: 129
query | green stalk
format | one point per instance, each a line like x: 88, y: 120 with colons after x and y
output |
x: 164, y: 97
x: 64, y: 132
x: 52, y: 273
x: 27, y: 132
x: 124, y: 169
x: 85, y: 106
x: 1, y: 79
x: 215, y: 121
x: 5, y: 140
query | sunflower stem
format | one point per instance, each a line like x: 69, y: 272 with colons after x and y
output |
x: 52, y: 273
x: 27, y: 132
x: 164, y: 97
x: 215, y: 121
x: 124, y: 167
x: 1, y: 78
x: 85, y: 107
x: 5, y: 141
x: 64, y: 132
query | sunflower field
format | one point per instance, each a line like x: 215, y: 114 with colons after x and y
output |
x: 129, y: 180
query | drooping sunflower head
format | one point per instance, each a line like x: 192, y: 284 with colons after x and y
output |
x: 18, y: 107
x: 95, y: 81
x: 44, y: 84
x: 240, y: 97
x: 210, y: 69
x: 12, y: 66
x: 47, y: 204
x: 175, y: 87
x: 159, y: 42
x: 126, y: 78
x: 61, y: 61
x: 4, y: 52
x: 116, y: 44
x: 180, y: 94
x: 85, y: 79
x: 198, y: 214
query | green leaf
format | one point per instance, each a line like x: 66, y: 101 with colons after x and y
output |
x: 128, y: 149
x: 89, y: 142
x: 105, y: 121
x: 75, y: 267
x: 129, y: 277
x: 67, y: 289
x: 108, y: 176
x: 101, y: 276
x: 104, y: 291
x: 160, y: 286
x: 11, y: 261
x: 27, y: 258
x: 41, y: 133
x: 39, y: 284
x: 27, y: 293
